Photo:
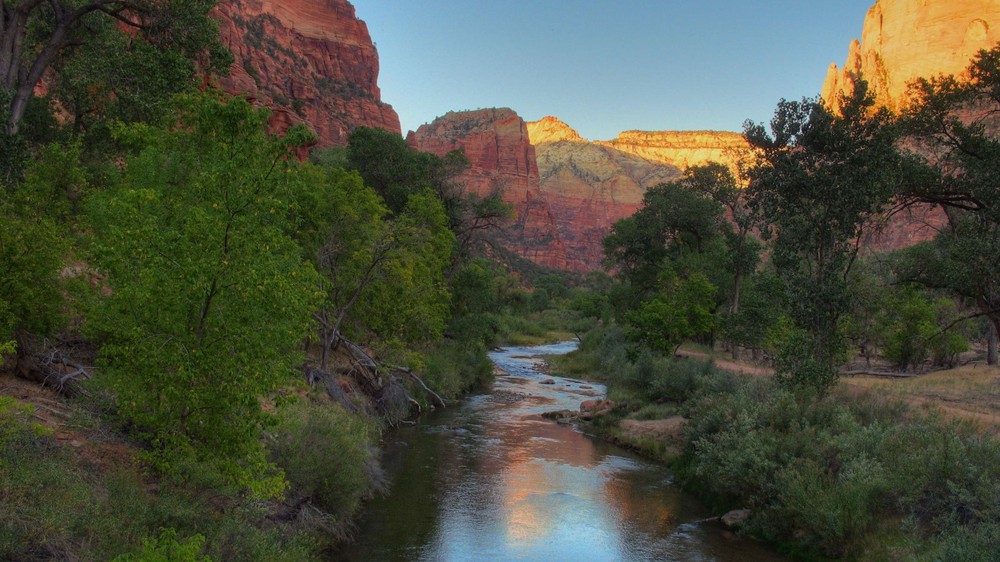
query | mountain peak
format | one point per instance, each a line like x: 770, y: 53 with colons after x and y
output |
x: 552, y: 129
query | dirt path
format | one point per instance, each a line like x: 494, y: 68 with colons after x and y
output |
x: 727, y: 365
x: 922, y: 392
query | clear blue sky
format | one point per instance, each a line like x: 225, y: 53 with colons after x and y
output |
x: 605, y: 66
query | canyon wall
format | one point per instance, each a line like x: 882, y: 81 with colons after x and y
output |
x: 681, y: 149
x: 309, y: 61
x: 502, y: 160
x: 588, y: 186
x: 907, y: 39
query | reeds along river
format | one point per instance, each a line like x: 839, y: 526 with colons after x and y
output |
x: 492, y: 480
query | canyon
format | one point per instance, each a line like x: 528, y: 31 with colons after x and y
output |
x: 314, y: 62
x: 308, y: 61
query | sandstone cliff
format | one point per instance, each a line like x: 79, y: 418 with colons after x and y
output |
x: 501, y: 159
x: 903, y: 40
x: 589, y: 186
x: 552, y: 129
x: 907, y: 39
x: 309, y: 61
x: 681, y: 149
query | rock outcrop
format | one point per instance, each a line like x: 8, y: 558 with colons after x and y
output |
x: 903, y: 40
x: 681, y: 149
x: 587, y: 187
x: 502, y: 160
x: 309, y: 61
x: 566, y: 191
x: 552, y: 129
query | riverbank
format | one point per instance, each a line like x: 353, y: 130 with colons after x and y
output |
x: 857, y: 474
x: 491, y: 479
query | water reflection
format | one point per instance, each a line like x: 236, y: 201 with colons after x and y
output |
x: 492, y: 480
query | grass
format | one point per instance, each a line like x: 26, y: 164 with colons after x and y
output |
x: 971, y: 392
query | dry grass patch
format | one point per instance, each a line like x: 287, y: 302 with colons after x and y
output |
x: 971, y: 392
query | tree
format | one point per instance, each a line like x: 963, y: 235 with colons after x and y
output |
x: 673, y: 220
x: 36, y: 34
x: 719, y: 184
x: 818, y: 181
x: 682, y: 309
x: 395, y: 171
x: 952, y: 134
x: 208, y: 297
x: 381, y: 273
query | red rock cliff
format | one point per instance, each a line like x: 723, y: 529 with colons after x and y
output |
x: 588, y: 186
x: 496, y: 143
x: 310, y: 61
x: 907, y: 39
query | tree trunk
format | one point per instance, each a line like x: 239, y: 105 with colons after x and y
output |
x: 991, y: 345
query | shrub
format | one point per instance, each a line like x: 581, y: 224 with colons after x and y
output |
x: 327, y: 455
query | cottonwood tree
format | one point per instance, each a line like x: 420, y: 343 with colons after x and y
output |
x: 208, y: 297
x: 35, y: 35
x: 953, y: 132
x: 818, y: 181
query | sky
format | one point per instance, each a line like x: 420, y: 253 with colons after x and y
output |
x: 606, y: 66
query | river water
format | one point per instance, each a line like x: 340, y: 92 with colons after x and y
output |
x: 491, y: 479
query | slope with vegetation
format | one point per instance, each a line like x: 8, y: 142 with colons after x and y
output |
x: 236, y: 327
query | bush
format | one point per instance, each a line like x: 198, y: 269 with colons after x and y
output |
x: 453, y: 368
x: 327, y: 455
x: 825, y: 474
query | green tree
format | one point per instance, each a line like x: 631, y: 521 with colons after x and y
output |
x: 682, y: 309
x: 395, y: 171
x: 36, y: 35
x: 208, y: 296
x: 673, y: 221
x: 951, y: 135
x: 382, y: 273
x: 819, y: 179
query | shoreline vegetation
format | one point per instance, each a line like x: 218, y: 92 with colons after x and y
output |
x: 867, y: 472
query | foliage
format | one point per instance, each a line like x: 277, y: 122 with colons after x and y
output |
x: 32, y: 248
x: 819, y: 178
x: 453, y: 368
x: 951, y: 137
x: 167, y: 548
x: 130, y: 55
x: 682, y: 309
x: 672, y: 221
x: 328, y: 456
x: 208, y: 295
x: 824, y: 475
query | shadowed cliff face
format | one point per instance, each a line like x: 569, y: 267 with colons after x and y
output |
x: 309, y: 61
x: 501, y: 159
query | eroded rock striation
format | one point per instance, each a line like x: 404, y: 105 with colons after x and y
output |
x: 502, y: 159
x: 309, y: 61
x: 681, y: 149
x: 588, y: 187
x: 903, y: 40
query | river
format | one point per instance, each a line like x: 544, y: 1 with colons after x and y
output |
x: 490, y: 479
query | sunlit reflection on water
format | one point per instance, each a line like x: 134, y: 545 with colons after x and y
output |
x: 493, y: 480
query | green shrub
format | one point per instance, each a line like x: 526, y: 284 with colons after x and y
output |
x: 327, y: 455
x: 453, y: 368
